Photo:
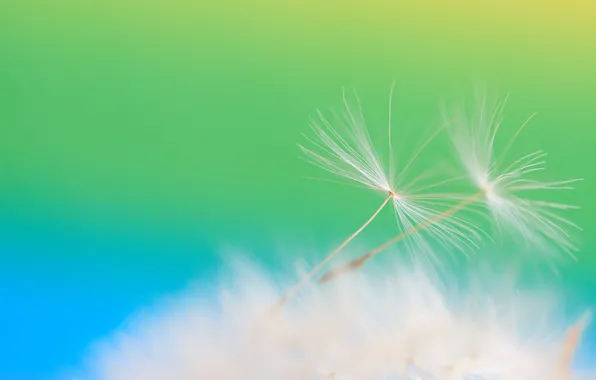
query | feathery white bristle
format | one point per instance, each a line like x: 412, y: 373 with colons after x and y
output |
x: 343, y: 147
x: 348, y: 153
x: 408, y: 325
x: 507, y: 187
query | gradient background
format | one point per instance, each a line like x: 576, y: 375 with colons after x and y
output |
x: 141, y: 138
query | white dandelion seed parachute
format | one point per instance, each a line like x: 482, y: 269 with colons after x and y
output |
x: 343, y: 147
x: 509, y: 187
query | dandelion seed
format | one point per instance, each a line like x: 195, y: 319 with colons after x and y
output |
x: 535, y: 221
x: 351, y: 155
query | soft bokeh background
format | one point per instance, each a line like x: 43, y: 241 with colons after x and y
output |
x: 141, y: 139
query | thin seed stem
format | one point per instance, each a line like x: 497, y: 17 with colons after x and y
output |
x: 317, y: 268
x: 358, y: 262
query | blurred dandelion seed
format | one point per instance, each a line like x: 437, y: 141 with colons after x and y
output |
x: 536, y: 222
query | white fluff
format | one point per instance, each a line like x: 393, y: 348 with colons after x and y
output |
x: 509, y: 187
x: 343, y: 147
x: 406, y: 324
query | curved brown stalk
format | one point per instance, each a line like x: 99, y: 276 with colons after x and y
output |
x: 570, y: 344
x: 317, y: 268
x: 358, y: 262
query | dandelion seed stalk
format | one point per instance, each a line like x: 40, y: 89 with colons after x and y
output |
x: 570, y: 345
x: 334, y: 253
x: 358, y: 262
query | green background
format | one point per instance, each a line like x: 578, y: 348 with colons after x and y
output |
x: 140, y: 140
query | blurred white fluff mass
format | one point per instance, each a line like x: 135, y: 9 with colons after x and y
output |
x: 406, y: 324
